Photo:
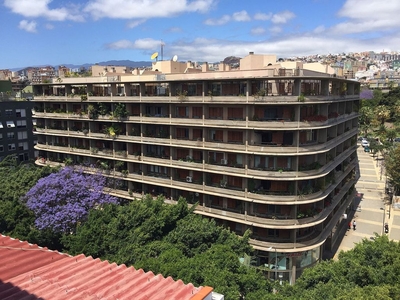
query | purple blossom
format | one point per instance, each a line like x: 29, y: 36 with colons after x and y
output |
x: 62, y: 200
x: 366, y: 94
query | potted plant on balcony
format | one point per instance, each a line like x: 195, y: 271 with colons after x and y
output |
x: 120, y: 111
x: 111, y: 131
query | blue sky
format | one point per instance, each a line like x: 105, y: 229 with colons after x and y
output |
x: 46, y: 32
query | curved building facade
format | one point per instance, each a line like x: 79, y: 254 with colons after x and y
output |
x: 272, y: 150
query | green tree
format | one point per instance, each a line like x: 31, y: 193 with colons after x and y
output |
x: 392, y: 167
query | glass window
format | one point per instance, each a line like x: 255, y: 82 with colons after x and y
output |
x: 21, y: 124
x: 10, y: 135
x: 9, y: 112
x: 1, y: 148
x: 10, y: 124
x: 20, y: 112
x: 22, y: 135
x: 23, y: 146
x: 11, y: 146
x: 1, y: 125
x: 1, y: 136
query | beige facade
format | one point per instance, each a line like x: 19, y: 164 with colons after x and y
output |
x: 256, y: 61
x: 270, y: 150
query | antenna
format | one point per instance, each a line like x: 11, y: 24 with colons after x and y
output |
x: 162, y: 50
x: 154, y: 55
x: 175, y: 58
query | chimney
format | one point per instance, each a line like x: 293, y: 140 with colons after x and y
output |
x: 204, y: 67
x: 221, y: 66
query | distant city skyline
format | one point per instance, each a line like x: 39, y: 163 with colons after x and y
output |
x: 46, y: 32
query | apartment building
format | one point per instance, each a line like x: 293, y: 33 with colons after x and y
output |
x: 269, y: 149
x: 16, y: 130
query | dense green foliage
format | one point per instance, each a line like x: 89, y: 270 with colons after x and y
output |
x: 16, y: 219
x: 371, y: 270
x: 171, y: 240
x: 380, y: 120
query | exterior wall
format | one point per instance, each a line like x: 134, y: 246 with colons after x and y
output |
x: 169, y: 66
x: 318, y: 67
x: 280, y: 166
x: 17, y: 133
x: 103, y: 70
x: 256, y: 61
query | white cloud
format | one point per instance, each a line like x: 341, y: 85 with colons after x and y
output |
x: 262, y: 17
x: 283, y: 17
x: 141, y: 44
x: 213, y: 50
x: 221, y: 21
x: 275, y: 29
x: 257, y: 31
x: 135, y: 23
x: 39, y: 8
x: 132, y: 9
x: 27, y: 26
x: 49, y: 26
x: 241, y: 16
x: 319, y: 29
x: 367, y: 16
x: 174, y: 29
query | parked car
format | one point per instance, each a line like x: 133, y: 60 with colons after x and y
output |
x: 365, y: 143
x: 366, y: 149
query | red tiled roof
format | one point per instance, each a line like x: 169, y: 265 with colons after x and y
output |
x: 31, y: 272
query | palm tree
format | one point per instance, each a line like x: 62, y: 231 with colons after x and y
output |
x: 382, y: 114
x: 365, y: 119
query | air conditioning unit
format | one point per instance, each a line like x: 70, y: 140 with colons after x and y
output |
x: 188, y: 178
x: 224, y: 162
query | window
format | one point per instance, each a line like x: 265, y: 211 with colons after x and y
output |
x: 23, y: 146
x: 11, y: 146
x: 1, y: 148
x: 10, y: 124
x: 9, y: 112
x: 1, y: 136
x: 34, y: 122
x: 10, y: 135
x: 1, y: 125
x: 21, y: 124
x: 22, y: 135
x: 20, y: 113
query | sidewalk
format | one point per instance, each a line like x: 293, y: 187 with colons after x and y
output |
x: 373, y: 210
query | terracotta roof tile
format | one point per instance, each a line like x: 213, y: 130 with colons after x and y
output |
x: 31, y: 272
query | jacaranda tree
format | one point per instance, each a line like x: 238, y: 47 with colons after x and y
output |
x: 62, y: 200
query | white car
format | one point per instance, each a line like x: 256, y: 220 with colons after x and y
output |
x: 364, y: 143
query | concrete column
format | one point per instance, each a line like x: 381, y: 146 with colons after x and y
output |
x: 325, y: 87
x: 296, y: 91
x: 127, y: 89
x: 68, y: 89
x: 248, y: 88
x: 113, y: 89
x: 142, y: 89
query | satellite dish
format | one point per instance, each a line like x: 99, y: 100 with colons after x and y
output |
x: 154, y: 55
x: 175, y: 58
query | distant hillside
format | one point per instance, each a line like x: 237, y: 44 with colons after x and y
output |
x: 126, y: 63
x: 232, y: 60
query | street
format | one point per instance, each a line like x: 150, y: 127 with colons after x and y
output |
x: 373, y: 210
